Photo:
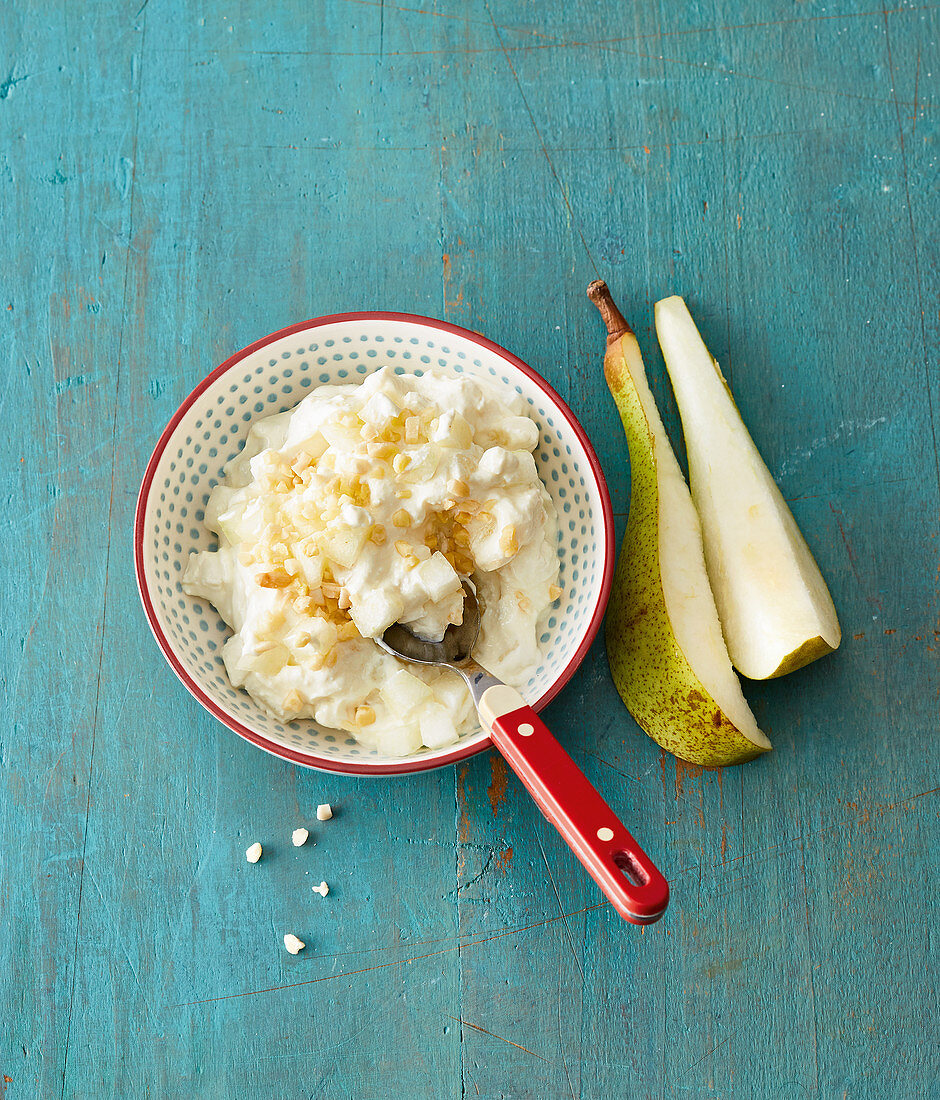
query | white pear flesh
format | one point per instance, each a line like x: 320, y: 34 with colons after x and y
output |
x: 775, y: 609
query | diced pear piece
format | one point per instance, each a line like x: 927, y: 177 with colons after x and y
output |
x: 438, y: 577
x: 437, y: 726
x: 374, y: 611
x: 775, y: 609
x: 342, y: 545
x: 406, y: 693
x: 664, y: 642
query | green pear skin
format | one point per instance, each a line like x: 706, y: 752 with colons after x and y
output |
x: 652, y: 672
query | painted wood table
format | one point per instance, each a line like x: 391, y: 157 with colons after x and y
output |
x: 178, y: 179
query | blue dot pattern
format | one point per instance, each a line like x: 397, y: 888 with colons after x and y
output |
x: 275, y: 378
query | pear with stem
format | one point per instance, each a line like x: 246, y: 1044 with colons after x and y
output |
x: 664, y: 642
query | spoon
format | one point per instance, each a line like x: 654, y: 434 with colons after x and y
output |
x: 562, y: 792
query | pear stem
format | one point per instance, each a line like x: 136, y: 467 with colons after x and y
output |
x: 616, y: 324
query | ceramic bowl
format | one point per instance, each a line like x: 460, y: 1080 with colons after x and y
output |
x: 275, y: 373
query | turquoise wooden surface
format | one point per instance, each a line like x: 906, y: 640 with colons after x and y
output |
x: 178, y: 179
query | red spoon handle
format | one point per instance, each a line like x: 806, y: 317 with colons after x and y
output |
x: 611, y: 856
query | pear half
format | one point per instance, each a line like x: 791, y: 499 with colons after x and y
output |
x: 664, y: 642
x: 775, y: 609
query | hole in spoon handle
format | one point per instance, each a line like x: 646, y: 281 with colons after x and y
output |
x: 615, y: 861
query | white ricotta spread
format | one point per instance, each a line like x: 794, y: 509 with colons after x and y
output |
x: 365, y: 505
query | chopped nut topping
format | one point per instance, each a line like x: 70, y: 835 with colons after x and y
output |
x: 378, y: 535
x: 401, y: 518
x: 299, y: 837
x: 301, y: 462
x: 324, y: 811
x: 322, y: 889
x: 293, y: 944
x: 555, y: 593
x: 382, y: 451
x: 463, y: 564
x: 365, y: 715
x: 253, y: 853
x: 507, y: 540
x: 275, y: 579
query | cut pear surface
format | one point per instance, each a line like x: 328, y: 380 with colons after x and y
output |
x: 664, y: 642
x: 775, y: 609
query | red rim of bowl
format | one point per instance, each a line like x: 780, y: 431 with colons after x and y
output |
x: 326, y: 763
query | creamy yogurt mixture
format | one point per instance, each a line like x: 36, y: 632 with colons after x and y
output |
x: 366, y: 505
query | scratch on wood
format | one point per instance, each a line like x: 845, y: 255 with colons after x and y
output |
x: 538, y: 135
x: 853, y: 563
x: 551, y: 879
x: 812, y: 980
x: 915, y: 253
x: 460, y: 18
x: 459, y: 946
x: 916, y: 87
x: 862, y: 818
x: 708, y: 1054
x: 104, y: 610
x: 476, y: 1027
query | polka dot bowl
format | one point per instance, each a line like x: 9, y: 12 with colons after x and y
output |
x: 275, y: 373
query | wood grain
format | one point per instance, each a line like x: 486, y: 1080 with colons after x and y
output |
x: 177, y: 180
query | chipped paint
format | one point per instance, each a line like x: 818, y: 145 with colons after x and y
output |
x: 499, y: 774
